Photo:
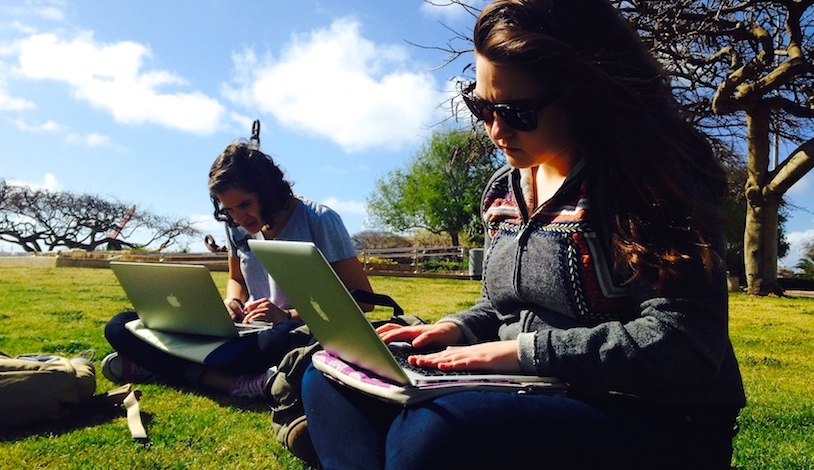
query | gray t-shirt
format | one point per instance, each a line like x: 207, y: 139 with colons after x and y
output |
x: 310, y: 222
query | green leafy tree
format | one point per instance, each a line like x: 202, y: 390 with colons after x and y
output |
x: 742, y: 72
x: 440, y: 188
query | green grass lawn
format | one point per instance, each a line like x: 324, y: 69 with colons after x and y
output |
x: 64, y: 311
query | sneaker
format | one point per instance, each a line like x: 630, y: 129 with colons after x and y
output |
x: 252, y: 386
x: 118, y: 369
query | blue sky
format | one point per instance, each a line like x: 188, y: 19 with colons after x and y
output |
x: 134, y: 100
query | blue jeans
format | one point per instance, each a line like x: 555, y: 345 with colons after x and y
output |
x: 493, y: 430
x: 250, y: 354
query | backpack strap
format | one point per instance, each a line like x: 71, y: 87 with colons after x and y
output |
x: 365, y: 297
x: 134, y: 415
x: 129, y: 398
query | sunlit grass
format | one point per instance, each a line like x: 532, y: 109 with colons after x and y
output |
x: 64, y: 310
x: 774, y: 342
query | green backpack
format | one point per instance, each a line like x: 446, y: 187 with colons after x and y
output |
x: 283, y: 389
x: 40, y: 388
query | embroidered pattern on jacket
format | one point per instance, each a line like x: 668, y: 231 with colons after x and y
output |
x: 567, y: 217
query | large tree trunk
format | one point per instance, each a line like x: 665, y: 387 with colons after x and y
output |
x: 455, y: 238
x: 760, y: 248
x: 760, y: 236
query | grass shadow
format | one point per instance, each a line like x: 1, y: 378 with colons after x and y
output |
x: 77, y: 419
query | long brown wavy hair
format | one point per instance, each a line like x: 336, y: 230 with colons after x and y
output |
x: 653, y: 169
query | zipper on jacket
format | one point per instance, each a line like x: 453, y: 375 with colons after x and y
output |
x: 524, y: 229
x: 526, y: 225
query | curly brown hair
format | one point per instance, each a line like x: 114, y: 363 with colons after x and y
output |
x: 243, y: 167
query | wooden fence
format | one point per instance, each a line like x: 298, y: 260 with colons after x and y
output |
x: 412, y: 261
x: 102, y: 259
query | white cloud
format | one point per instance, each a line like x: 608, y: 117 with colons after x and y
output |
x: 51, y: 13
x: 207, y: 224
x: 349, y: 207
x: 49, y: 182
x: 48, y: 126
x: 243, y: 122
x: 51, y: 10
x: 48, y: 9
x: 803, y: 187
x: 340, y: 170
x: 8, y: 103
x: 339, y: 85
x: 90, y: 140
x: 51, y: 126
x: 796, y: 240
x: 112, y: 77
x: 20, y: 27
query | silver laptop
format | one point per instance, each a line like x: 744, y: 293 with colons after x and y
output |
x: 178, y: 298
x: 335, y: 319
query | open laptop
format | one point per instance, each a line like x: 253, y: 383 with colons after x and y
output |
x: 178, y: 298
x: 336, y: 321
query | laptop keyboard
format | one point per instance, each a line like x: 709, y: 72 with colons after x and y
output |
x: 401, y: 354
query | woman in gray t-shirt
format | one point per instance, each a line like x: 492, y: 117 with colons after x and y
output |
x: 251, y: 196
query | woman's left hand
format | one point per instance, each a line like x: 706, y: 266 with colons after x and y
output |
x: 265, y: 311
x: 494, y: 356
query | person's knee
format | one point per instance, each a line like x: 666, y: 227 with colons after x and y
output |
x: 427, y: 438
x: 115, y: 328
x: 309, y: 377
x: 313, y: 387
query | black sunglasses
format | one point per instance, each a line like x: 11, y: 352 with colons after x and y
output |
x: 522, y: 118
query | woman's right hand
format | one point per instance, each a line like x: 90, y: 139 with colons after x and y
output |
x: 435, y: 336
x: 235, y: 308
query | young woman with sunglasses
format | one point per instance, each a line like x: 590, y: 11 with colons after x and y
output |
x: 251, y: 196
x: 604, y: 268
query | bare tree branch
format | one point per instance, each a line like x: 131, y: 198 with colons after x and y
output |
x: 40, y: 220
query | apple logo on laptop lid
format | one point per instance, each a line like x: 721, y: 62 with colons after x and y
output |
x: 173, y: 300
